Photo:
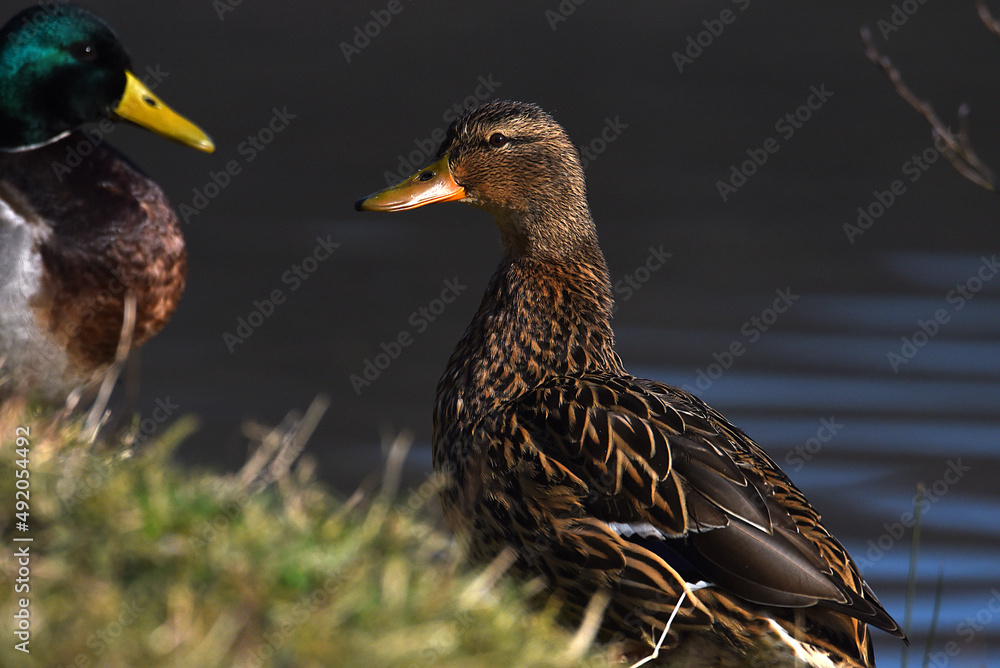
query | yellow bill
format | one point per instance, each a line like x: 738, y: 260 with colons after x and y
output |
x: 139, y: 105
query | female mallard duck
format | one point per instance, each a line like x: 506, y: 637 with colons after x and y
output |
x: 596, y: 479
x: 80, y: 226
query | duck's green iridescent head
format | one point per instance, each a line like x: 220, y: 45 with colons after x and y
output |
x: 61, y: 66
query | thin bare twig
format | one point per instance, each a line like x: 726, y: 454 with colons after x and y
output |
x: 984, y: 14
x: 957, y: 148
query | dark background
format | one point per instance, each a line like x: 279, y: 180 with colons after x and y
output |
x: 655, y: 184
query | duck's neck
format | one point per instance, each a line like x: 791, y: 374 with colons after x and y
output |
x: 542, y: 316
x: 15, y: 134
x: 23, y: 125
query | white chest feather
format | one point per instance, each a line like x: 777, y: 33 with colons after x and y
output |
x: 30, y: 357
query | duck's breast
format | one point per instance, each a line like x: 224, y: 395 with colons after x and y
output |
x: 31, y: 356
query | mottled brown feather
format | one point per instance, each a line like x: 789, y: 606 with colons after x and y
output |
x: 549, y: 444
x: 112, y: 232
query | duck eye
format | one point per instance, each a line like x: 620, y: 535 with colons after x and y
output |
x: 83, y: 51
x: 498, y: 139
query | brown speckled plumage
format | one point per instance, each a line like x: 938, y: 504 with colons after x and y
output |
x: 600, y: 480
x: 110, y: 231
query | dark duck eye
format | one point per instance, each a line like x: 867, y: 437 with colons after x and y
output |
x: 83, y: 51
x: 498, y: 139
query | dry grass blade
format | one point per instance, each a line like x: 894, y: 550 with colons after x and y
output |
x: 486, y: 580
x: 935, y: 616
x: 911, y: 579
x: 98, y: 414
x: 689, y: 589
x: 957, y: 148
x: 398, y: 449
x: 279, y: 448
x: 591, y: 624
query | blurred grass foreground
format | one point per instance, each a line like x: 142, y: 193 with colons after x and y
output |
x: 135, y: 560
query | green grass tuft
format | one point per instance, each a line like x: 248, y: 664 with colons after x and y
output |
x: 137, y: 561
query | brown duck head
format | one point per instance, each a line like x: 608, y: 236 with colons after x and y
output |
x: 515, y: 161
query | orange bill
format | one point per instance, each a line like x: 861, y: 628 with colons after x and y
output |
x: 431, y: 184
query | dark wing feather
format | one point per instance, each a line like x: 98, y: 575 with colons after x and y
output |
x: 650, y: 454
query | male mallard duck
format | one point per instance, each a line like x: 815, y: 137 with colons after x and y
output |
x: 80, y: 225
x: 596, y: 479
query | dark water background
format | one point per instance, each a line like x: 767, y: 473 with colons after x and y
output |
x: 817, y: 389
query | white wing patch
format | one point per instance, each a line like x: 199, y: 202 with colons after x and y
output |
x: 641, y: 529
